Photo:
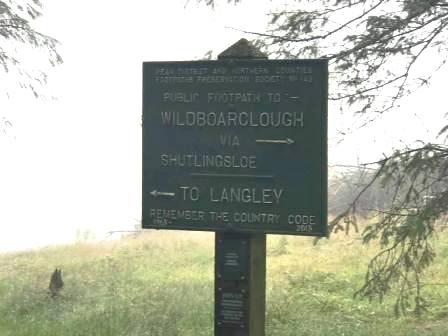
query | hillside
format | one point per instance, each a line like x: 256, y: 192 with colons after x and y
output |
x: 161, y: 283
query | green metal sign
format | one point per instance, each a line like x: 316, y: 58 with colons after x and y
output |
x: 235, y: 145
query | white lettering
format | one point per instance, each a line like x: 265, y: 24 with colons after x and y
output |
x: 245, y: 195
x: 232, y: 119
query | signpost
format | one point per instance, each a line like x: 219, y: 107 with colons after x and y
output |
x: 237, y: 146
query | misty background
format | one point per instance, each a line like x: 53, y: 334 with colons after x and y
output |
x: 70, y: 161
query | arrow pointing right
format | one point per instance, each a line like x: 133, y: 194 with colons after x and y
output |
x: 286, y: 141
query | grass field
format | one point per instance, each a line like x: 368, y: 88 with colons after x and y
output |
x: 161, y: 283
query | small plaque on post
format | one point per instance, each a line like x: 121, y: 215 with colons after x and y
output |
x: 232, y: 257
x: 232, y: 309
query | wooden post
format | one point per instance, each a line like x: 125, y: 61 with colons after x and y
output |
x: 240, y: 260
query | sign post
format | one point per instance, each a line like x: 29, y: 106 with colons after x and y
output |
x: 237, y: 146
x: 240, y: 260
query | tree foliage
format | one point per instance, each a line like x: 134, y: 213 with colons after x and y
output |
x: 380, y: 51
x: 21, y: 45
x: 405, y: 222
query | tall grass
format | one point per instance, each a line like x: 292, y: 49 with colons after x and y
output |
x: 161, y: 283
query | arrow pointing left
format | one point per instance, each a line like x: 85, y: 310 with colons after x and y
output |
x: 156, y: 193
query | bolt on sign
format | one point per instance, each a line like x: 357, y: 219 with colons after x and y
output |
x: 235, y: 145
